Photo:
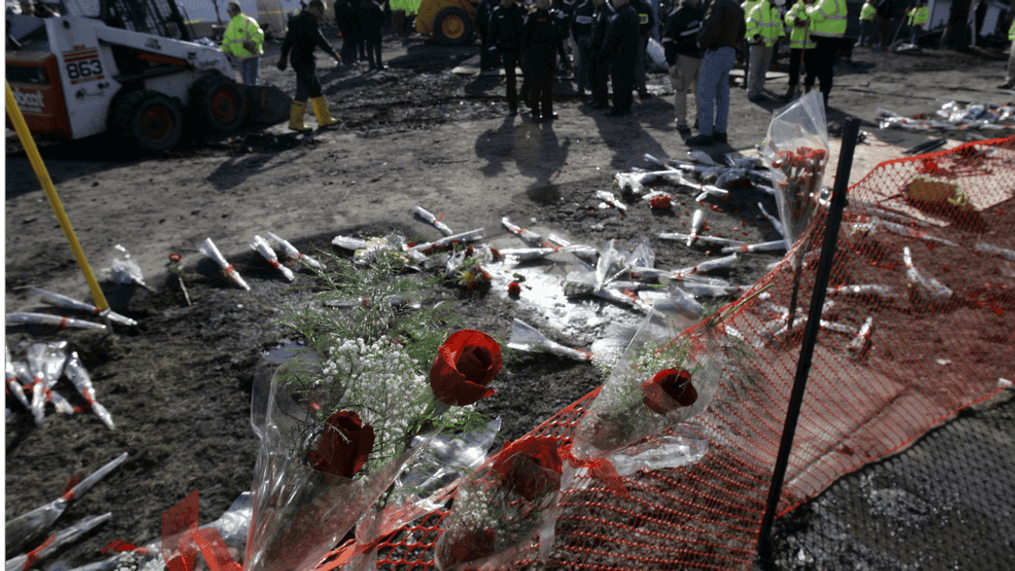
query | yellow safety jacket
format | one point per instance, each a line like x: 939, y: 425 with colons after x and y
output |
x: 919, y: 16
x: 242, y: 27
x: 763, y: 20
x: 408, y: 6
x: 828, y: 18
x: 1011, y: 32
x: 868, y: 11
x: 799, y: 38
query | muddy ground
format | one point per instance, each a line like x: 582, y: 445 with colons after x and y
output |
x: 427, y: 131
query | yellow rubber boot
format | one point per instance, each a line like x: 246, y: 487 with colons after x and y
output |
x: 321, y: 110
x: 296, y: 117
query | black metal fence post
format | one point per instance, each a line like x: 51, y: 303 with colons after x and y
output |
x: 849, y: 135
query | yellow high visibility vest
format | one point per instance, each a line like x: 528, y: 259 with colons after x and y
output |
x: 828, y: 18
x: 242, y: 27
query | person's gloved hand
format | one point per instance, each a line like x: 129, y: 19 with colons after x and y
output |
x: 281, y: 64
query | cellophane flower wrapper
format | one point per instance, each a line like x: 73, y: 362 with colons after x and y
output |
x: 21, y: 530
x: 125, y: 271
x: 490, y: 527
x: 65, y: 536
x: 799, y: 125
x: 11, y: 379
x: 619, y: 416
x: 208, y: 248
x: 260, y: 245
x: 294, y: 254
x: 301, y: 513
x: 76, y: 372
x: 45, y: 363
x: 19, y: 317
x: 71, y: 303
x: 425, y: 486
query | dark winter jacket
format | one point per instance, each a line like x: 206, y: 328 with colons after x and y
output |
x: 371, y: 18
x: 506, y: 25
x: 622, y: 36
x: 682, y: 27
x: 646, y: 21
x: 724, y: 26
x: 301, y: 39
x: 600, y: 24
x: 582, y: 25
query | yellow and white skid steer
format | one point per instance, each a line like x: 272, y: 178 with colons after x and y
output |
x: 83, y: 77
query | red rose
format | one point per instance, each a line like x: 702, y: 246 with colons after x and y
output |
x: 175, y: 258
x: 662, y: 201
x: 530, y: 467
x: 472, y: 546
x: 816, y: 154
x: 514, y: 288
x: 466, y: 362
x: 669, y: 390
x: 344, y: 446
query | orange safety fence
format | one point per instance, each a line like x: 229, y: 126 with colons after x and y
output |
x: 925, y: 258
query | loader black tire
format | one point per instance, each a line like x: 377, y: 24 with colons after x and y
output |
x: 153, y: 121
x: 219, y: 102
x: 452, y: 26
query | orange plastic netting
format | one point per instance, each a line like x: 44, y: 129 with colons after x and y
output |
x: 936, y: 343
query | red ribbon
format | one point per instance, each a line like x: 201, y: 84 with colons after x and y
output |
x: 68, y: 492
x: 274, y: 263
x: 599, y: 468
x: 63, y: 323
x: 230, y: 269
x: 33, y: 555
x: 181, y: 539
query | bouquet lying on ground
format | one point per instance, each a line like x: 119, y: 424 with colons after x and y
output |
x: 503, y: 507
x: 668, y: 374
x: 339, y: 427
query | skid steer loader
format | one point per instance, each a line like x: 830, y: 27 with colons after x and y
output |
x: 452, y: 22
x: 130, y: 68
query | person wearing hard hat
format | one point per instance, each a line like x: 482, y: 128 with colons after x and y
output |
x: 867, y: 14
x: 1009, y: 80
x: 917, y: 18
x: 244, y: 40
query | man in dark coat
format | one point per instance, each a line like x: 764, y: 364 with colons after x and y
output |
x: 581, y: 29
x: 344, y: 19
x: 599, y: 59
x: 301, y: 40
x: 683, y: 55
x: 646, y: 23
x: 621, y: 43
x: 487, y: 57
x: 506, y: 26
x: 371, y: 21
x: 542, y: 41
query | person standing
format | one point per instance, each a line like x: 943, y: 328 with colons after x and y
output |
x: 541, y: 41
x: 1009, y: 80
x: 506, y: 26
x: 763, y: 28
x: 828, y: 25
x: 683, y: 55
x: 581, y: 30
x: 621, y: 44
x: 344, y: 19
x: 563, y: 12
x: 721, y: 33
x: 885, y: 10
x: 747, y: 5
x: 301, y: 40
x: 917, y: 16
x: 486, y: 55
x: 800, y: 43
x: 646, y: 23
x: 244, y: 40
x: 599, y: 59
x: 867, y: 14
x: 371, y: 21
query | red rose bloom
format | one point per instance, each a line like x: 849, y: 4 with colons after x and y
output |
x: 661, y: 202
x: 669, y: 390
x: 466, y: 362
x: 816, y: 154
x: 344, y: 446
x: 514, y: 288
x: 472, y: 546
x: 175, y: 258
x: 530, y: 467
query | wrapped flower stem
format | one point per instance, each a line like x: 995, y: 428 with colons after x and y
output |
x: 861, y: 342
x: 45, y: 363
x: 706, y: 239
x: 772, y: 246
x: 64, y: 301
x: 526, y: 254
x: 28, y: 526
x: 608, y: 198
x: 293, y: 254
x: 530, y: 237
x: 12, y: 383
x: 208, y: 248
x: 908, y: 232
x: 126, y: 271
x: 776, y: 223
x: 587, y: 254
x: 928, y: 286
x: 1003, y: 252
x: 697, y: 221
x: 77, y: 374
x: 21, y: 317
x: 431, y: 219
x: 524, y: 337
x: 350, y: 243
x: 874, y: 290
x: 260, y: 245
x: 709, y: 266
x: 72, y: 533
x: 440, y: 244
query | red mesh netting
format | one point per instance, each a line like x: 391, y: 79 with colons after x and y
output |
x: 937, y: 342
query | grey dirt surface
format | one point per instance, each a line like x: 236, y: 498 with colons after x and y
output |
x: 428, y: 131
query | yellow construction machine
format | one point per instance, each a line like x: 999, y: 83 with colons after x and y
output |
x: 452, y: 22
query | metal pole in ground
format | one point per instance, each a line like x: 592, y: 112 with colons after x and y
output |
x: 849, y: 137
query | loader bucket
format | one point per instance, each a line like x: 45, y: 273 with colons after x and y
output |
x: 267, y: 104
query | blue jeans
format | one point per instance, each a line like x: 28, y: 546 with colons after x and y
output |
x: 249, y: 68
x: 713, y: 94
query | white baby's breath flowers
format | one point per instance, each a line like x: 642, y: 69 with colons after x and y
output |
x: 387, y: 388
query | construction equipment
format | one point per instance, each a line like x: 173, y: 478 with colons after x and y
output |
x: 130, y: 69
x: 452, y: 22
